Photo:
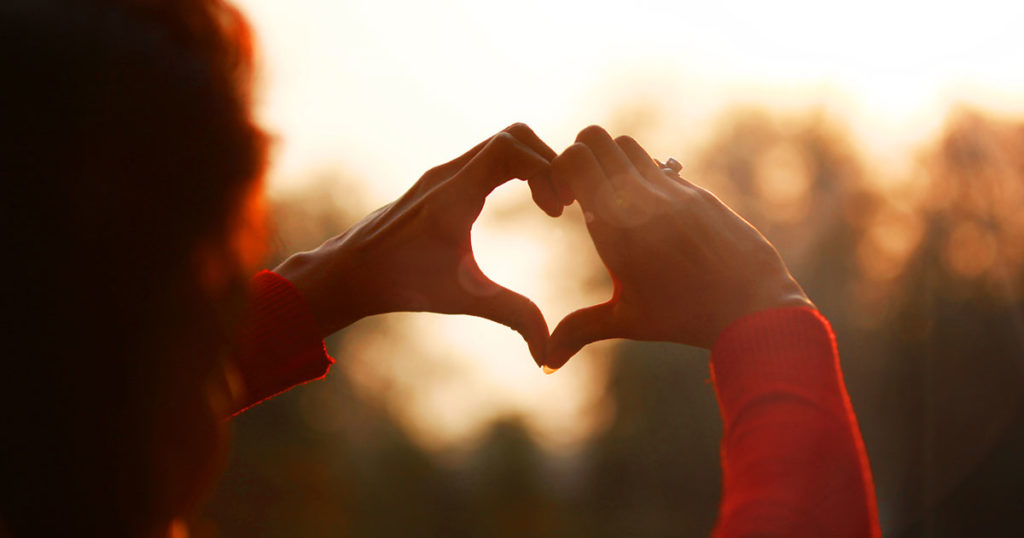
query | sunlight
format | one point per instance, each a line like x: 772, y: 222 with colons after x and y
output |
x: 384, y: 90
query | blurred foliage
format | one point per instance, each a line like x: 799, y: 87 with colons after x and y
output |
x: 921, y: 277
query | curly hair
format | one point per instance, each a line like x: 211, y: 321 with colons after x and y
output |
x: 126, y: 143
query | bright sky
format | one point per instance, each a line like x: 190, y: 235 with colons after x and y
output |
x: 383, y: 90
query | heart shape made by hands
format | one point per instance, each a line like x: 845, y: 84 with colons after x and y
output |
x: 550, y: 261
x: 683, y: 264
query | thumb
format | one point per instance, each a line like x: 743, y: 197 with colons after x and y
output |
x: 515, y: 311
x: 578, y: 329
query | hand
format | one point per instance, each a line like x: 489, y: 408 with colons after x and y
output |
x: 415, y: 254
x: 683, y: 264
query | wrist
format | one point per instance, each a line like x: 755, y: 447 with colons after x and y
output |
x: 321, y: 288
x: 783, y: 293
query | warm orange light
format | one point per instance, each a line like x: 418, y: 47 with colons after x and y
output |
x: 380, y: 95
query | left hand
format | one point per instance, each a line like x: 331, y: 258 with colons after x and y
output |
x: 684, y: 265
x: 415, y: 253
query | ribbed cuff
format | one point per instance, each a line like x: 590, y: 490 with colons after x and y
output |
x: 788, y: 351
x: 280, y: 343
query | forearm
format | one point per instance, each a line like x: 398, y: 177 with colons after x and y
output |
x: 326, y: 286
x: 793, y: 461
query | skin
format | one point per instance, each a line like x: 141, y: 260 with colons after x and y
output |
x: 415, y: 254
x: 684, y: 265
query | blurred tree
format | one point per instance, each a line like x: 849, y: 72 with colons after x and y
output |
x: 655, y: 471
x: 800, y: 182
x: 922, y: 288
x: 922, y: 282
x: 960, y: 337
x: 510, y: 494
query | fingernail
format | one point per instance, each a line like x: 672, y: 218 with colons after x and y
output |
x: 548, y: 370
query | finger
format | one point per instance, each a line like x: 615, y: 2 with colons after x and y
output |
x: 563, y: 192
x: 578, y: 329
x: 676, y: 177
x: 525, y: 134
x: 578, y: 169
x: 545, y: 194
x: 542, y: 188
x: 605, y: 207
x: 515, y: 311
x: 642, y: 161
x: 440, y: 173
x: 519, y: 130
x: 614, y: 162
x: 503, y: 158
x: 545, y: 197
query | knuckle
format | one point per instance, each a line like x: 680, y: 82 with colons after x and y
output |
x: 689, y: 193
x: 570, y: 155
x: 590, y: 132
x: 434, y: 174
x: 693, y: 196
x: 705, y: 195
x: 576, y: 151
x: 503, y: 141
x: 626, y: 140
x: 500, y: 153
x: 519, y: 130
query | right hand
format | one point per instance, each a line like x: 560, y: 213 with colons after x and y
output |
x: 684, y: 265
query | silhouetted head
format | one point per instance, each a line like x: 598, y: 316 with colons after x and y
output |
x: 126, y: 152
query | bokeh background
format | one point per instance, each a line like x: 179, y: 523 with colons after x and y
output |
x: 879, y: 145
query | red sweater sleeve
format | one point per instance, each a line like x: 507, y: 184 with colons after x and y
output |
x: 793, y: 461
x: 279, y: 346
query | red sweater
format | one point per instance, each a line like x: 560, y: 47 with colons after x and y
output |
x: 793, y: 462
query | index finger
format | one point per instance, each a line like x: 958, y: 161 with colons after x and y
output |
x: 519, y: 130
x: 578, y: 168
x: 547, y: 195
x: 525, y: 134
x: 602, y: 199
x: 616, y: 164
x: 504, y: 157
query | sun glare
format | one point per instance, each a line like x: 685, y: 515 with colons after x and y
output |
x: 384, y: 90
